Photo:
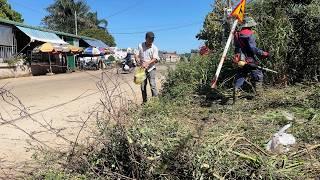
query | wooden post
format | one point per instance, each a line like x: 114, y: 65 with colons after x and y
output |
x: 224, y: 55
x: 50, y: 69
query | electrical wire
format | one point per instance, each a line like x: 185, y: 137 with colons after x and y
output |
x: 126, y: 9
x: 142, y: 27
x: 28, y: 7
x: 160, y: 29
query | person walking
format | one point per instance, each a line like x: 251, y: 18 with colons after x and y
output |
x: 147, y: 57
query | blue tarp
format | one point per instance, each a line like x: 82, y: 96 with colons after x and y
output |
x: 42, y: 36
x: 96, y: 43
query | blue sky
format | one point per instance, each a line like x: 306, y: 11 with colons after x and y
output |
x: 175, y: 22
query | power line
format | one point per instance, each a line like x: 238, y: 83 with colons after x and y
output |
x: 28, y: 7
x: 42, y: 12
x: 161, y: 29
x: 126, y: 9
x: 121, y: 11
x: 142, y: 27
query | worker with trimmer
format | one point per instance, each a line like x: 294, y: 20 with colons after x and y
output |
x: 245, y: 57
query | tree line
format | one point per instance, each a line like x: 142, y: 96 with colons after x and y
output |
x: 7, y: 12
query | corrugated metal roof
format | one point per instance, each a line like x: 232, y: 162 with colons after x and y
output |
x: 96, y: 43
x: 41, y: 35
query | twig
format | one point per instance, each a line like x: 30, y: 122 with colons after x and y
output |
x: 300, y: 153
x: 76, y: 140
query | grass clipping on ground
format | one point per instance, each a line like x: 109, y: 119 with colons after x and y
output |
x: 228, y: 142
x: 170, y: 139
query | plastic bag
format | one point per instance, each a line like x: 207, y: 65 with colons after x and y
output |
x: 281, y: 140
x: 126, y: 68
x: 139, y: 75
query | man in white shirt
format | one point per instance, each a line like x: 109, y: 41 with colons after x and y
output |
x: 147, y: 58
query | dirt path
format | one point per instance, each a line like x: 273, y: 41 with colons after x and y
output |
x: 57, y: 107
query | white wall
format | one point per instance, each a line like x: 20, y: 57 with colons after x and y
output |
x: 12, y: 72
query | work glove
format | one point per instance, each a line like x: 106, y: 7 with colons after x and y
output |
x: 265, y: 54
x: 241, y: 63
x: 236, y: 58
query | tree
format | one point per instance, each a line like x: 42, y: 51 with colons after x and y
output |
x: 97, y: 22
x: 289, y: 29
x: 111, y: 58
x: 62, y: 16
x: 215, y: 30
x: 7, y: 12
x: 99, y: 34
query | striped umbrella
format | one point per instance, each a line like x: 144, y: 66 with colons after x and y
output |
x: 102, y: 51
x: 91, y: 51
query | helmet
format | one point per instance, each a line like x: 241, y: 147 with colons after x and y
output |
x: 129, y: 50
x: 248, y: 22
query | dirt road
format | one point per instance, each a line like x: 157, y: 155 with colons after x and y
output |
x: 56, y: 108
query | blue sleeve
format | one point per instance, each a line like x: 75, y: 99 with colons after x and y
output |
x: 253, y: 46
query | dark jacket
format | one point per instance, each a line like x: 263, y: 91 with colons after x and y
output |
x: 245, y: 44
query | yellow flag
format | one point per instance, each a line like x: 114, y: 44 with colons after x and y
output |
x: 238, y: 12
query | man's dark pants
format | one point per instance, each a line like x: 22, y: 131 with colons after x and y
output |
x: 151, y: 77
x: 242, y: 74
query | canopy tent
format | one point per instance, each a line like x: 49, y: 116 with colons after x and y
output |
x: 42, y: 36
x: 96, y: 43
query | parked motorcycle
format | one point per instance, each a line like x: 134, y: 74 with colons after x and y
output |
x: 89, y: 65
x: 127, y: 65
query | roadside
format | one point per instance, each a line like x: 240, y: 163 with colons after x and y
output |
x: 57, y: 107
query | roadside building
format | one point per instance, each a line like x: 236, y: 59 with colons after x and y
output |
x: 18, y: 40
x: 119, y: 53
x: 194, y: 52
x: 169, y: 56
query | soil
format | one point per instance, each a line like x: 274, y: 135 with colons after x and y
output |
x: 57, y: 107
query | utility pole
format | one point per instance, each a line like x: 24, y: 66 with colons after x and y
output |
x: 75, y: 22
x: 224, y: 26
x: 228, y: 12
x: 224, y: 55
x: 226, y: 21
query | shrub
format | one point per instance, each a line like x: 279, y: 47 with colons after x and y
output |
x: 194, y: 77
x: 286, y: 28
x: 111, y: 58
